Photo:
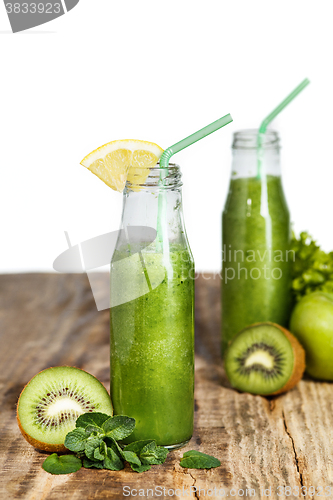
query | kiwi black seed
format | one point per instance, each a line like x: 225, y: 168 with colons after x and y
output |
x: 264, y: 359
x: 51, y: 402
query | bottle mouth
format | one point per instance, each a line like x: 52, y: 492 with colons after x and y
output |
x: 248, y: 139
x: 156, y: 178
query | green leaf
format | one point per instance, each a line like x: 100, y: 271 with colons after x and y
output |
x: 127, y: 454
x: 65, y: 464
x: 93, y: 430
x: 148, y: 453
x: 111, y: 443
x: 196, y: 460
x: 92, y: 443
x: 76, y: 440
x: 137, y: 446
x: 119, y: 427
x: 311, y: 267
x: 95, y: 419
x: 131, y: 457
x: 101, y: 452
x: 112, y: 461
x: 88, y: 464
x: 152, y: 454
x: 313, y: 277
x: 140, y: 468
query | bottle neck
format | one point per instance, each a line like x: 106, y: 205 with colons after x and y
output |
x: 253, y: 153
x: 157, y: 203
x: 142, y: 208
x: 154, y: 180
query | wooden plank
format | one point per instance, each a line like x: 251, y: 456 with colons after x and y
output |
x: 50, y: 319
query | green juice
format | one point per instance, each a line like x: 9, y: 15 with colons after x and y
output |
x: 256, y: 255
x: 152, y: 344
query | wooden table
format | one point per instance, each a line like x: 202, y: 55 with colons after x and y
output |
x: 263, y: 443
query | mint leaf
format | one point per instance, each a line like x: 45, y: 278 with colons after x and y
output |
x: 76, y: 440
x: 147, y: 452
x: 131, y: 458
x: 137, y: 446
x: 196, y: 460
x: 94, y: 430
x: 140, y: 468
x: 112, y: 461
x: 88, y: 464
x: 119, y: 427
x: 111, y: 443
x: 65, y: 464
x: 95, y: 419
x: 92, y: 443
x: 152, y: 454
x: 101, y: 452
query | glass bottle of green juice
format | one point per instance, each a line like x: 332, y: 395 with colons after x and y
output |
x: 152, y: 314
x: 256, y: 255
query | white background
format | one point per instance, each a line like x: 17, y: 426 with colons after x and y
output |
x: 158, y: 71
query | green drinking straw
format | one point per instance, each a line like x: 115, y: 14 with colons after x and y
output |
x: 270, y: 117
x: 164, y: 165
x: 191, y: 139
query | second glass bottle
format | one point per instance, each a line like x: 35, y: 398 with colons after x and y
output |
x: 256, y: 235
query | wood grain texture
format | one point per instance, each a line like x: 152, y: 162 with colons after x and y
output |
x: 263, y: 443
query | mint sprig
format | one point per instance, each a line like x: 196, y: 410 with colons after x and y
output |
x: 196, y: 460
x: 95, y: 441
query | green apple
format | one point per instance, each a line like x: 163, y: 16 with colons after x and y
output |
x: 312, y: 323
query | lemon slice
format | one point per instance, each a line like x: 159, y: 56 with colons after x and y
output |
x: 119, y: 161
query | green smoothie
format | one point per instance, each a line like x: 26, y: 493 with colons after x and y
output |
x: 256, y: 255
x: 152, y: 344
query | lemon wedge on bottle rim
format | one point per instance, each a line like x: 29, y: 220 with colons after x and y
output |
x: 126, y: 160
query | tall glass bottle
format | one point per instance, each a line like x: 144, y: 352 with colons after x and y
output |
x: 152, y: 315
x: 256, y: 255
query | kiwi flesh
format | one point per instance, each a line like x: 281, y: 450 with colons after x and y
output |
x: 51, y: 402
x: 264, y: 359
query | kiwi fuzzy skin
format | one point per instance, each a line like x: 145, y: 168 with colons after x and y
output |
x: 34, y: 442
x: 299, y: 358
x: 38, y: 444
x: 299, y: 362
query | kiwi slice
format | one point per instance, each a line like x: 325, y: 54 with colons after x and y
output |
x: 51, y: 402
x: 264, y: 359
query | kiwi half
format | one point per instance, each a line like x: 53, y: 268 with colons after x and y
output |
x: 51, y: 402
x: 264, y: 359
